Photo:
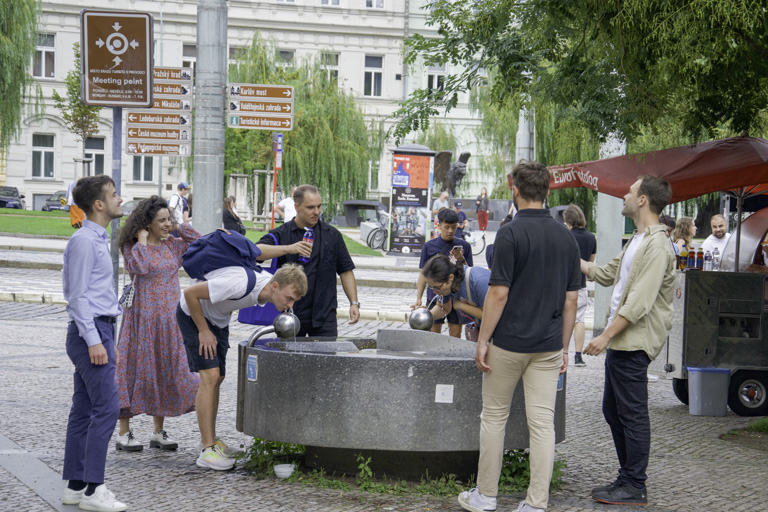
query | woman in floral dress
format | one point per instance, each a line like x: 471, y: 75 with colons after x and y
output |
x: 153, y: 376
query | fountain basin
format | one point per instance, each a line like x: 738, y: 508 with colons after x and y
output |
x: 411, y: 397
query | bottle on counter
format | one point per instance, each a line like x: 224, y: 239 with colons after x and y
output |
x: 700, y: 259
x: 683, y: 258
x: 716, y: 260
x: 707, y: 261
x: 692, y: 257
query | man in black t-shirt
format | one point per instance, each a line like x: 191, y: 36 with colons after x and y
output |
x: 528, y: 319
x: 576, y: 221
x: 325, y: 257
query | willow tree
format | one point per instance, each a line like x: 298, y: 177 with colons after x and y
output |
x: 18, y: 89
x: 331, y: 146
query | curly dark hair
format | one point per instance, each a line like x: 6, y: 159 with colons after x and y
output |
x: 440, y: 268
x: 141, y: 217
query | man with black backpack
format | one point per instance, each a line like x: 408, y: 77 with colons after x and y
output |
x: 203, y: 316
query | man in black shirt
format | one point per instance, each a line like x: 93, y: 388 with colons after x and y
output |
x: 528, y: 319
x: 322, y: 259
x: 576, y: 221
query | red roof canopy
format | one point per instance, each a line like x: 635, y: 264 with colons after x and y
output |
x: 691, y: 170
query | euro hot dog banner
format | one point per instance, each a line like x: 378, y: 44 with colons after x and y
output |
x: 410, y: 214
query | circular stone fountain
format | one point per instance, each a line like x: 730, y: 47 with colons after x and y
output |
x: 410, y: 400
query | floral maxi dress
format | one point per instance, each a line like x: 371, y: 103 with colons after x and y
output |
x: 153, y: 376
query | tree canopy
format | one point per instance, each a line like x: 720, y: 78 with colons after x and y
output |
x: 81, y: 119
x: 617, y: 65
x: 18, y: 36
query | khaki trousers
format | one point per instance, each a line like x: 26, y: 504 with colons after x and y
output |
x: 540, y: 372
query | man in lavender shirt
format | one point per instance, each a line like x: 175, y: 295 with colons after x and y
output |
x: 92, y: 308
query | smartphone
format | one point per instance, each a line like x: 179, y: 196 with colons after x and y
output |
x: 457, y: 247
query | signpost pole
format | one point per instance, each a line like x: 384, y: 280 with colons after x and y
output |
x: 117, y: 165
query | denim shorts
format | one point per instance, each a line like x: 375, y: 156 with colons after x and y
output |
x: 191, y: 337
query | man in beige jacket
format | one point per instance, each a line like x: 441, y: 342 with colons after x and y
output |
x: 639, y: 320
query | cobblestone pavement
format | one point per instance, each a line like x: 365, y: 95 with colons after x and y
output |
x: 690, y: 468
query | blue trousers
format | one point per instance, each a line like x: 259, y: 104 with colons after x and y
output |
x: 95, y: 407
x: 625, y: 408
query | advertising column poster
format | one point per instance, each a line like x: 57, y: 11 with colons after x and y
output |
x: 411, y: 180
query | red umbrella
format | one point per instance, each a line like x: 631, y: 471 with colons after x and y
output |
x: 738, y: 165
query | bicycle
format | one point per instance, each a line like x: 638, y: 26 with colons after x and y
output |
x: 477, y: 242
x: 378, y: 237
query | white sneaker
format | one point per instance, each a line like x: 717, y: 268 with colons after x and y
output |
x: 71, y: 496
x: 128, y: 443
x: 473, y: 501
x: 102, y: 500
x: 228, y: 451
x: 524, y: 507
x: 213, y: 458
x: 162, y: 441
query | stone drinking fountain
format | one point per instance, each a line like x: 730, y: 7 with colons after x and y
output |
x: 410, y: 400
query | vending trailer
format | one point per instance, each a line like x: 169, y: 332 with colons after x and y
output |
x: 721, y: 321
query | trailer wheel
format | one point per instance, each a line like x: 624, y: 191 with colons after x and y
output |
x: 748, y: 393
x: 680, y: 387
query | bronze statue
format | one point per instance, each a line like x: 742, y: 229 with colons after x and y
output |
x: 448, y: 175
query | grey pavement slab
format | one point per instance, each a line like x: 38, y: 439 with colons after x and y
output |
x: 690, y: 468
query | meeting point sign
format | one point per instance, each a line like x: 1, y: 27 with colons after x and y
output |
x: 116, y: 49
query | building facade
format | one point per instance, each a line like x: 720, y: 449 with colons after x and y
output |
x: 360, y: 42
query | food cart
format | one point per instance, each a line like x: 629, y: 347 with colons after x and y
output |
x: 720, y: 318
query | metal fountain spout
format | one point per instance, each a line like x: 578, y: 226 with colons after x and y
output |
x: 286, y: 325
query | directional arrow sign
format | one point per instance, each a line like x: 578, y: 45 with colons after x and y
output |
x: 171, y: 104
x: 117, y: 58
x: 283, y: 92
x: 173, y: 88
x: 156, y: 148
x: 143, y: 117
x: 177, y: 74
x: 159, y: 133
x: 259, y: 122
x: 265, y: 106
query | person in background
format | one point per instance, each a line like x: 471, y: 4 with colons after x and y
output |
x: 481, y: 207
x: 719, y: 237
x: 684, y: 232
x: 176, y: 206
x: 439, y: 203
x: 153, y: 374
x: 637, y: 325
x: 229, y: 217
x: 576, y: 222
x: 670, y: 223
x: 463, y: 220
x: 448, y: 245
x: 287, y: 207
x: 92, y: 308
x: 76, y: 215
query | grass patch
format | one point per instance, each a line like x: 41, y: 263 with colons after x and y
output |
x: 760, y: 426
x: 56, y: 223
x: 261, y: 457
x: 39, y: 225
x: 33, y: 213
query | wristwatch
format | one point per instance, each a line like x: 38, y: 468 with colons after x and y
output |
x: 355, y: 304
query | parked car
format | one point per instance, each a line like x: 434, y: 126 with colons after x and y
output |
x: 10, y: 198
x: 128, y: 206
x: 54, y: 202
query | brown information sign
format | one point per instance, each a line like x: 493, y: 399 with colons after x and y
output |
x: 272, y: 107
x: 259, y: 122
x: 157, y: 148
x: 117, y: 58
x: 157, y: 133
x: 142, y: 117
x: 283, y: 92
